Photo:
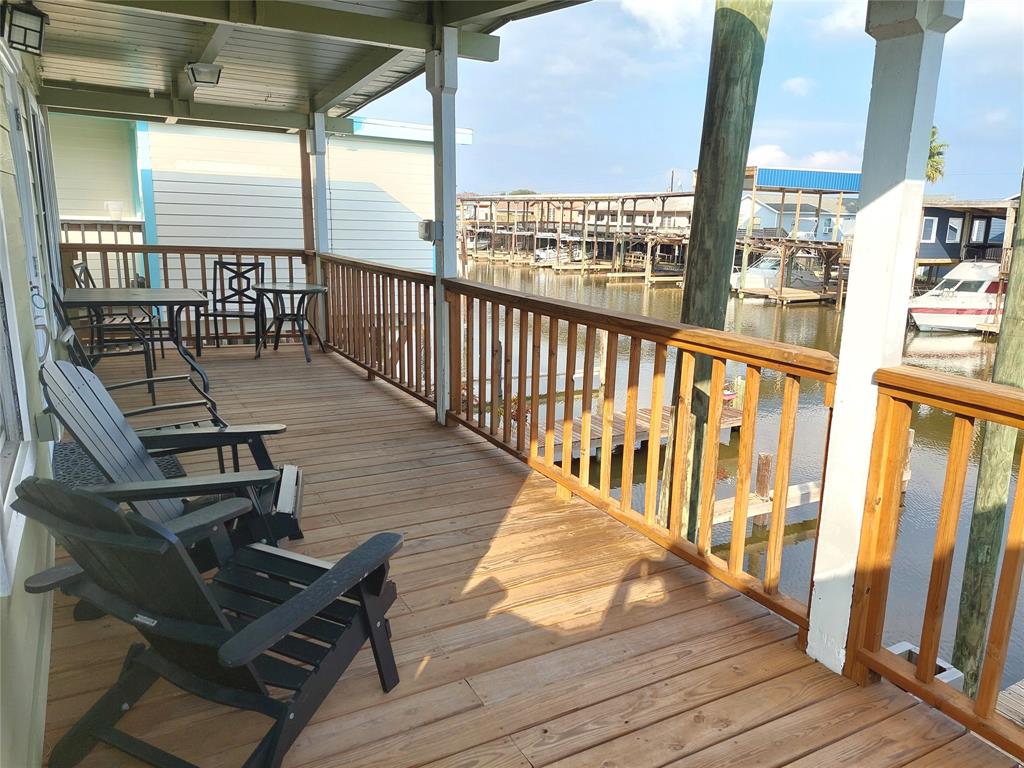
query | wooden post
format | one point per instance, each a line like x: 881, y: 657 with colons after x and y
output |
x: 737, y: 52
x: 306, y: 184
x: 993, y: 489
x: 838, y: 221
x: 763, y: 484
x: 782, y: 215
x: 321, y: 213
x: 908, y: 50
x: 442, y: 80
x: 745, y: 262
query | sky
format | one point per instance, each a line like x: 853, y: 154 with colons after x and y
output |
x: 609, y: 96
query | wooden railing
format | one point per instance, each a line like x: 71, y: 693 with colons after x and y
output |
x: 502, y: 341
x: 180, y: 266
x: 126, y: 232
x: 380, y: 318
x: 967, y: 402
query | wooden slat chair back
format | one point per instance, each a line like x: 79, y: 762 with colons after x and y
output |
x: 81, y: 403
x: 268, y: 632
x: 141, y: 563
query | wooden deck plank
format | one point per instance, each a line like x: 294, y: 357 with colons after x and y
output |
x: 529, y: 631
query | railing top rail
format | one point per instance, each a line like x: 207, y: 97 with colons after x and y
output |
x: 415, y: 275
x: 968, y: 397
x: 73, y: 248
x: 769, y: 354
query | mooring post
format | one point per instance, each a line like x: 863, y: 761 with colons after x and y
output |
x: 908, y: 50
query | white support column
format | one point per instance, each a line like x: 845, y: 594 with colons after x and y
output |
x: 442, y: 82
x: 908, y: 52
x: 317, y: 144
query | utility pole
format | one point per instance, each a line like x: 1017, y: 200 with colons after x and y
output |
x: 993, y: 489
x: 737, y: 53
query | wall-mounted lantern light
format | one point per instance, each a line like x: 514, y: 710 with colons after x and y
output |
x: 22, y: 26
x: 202, y: 73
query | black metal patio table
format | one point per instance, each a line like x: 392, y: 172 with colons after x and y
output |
x: 294, y: 311
x: 174, y: 300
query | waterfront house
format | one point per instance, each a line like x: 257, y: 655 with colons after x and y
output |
x: 549, y: 611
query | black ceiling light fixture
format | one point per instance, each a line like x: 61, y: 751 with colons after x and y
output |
x: 22, y: 25
x: 203, y: 73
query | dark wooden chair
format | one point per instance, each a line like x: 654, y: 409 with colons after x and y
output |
x: 233, y: 298
x: 264, y: 620
x: 80, y: 402
x: 114, y: 326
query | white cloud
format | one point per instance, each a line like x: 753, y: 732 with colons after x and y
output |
x: 773, y: 155
x: 997, y: 116
x: 768, y: 155
x: 846, y: 17
x: 669, y: 20
x: 798, y: 86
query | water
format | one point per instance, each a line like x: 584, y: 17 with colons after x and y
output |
x: 815, y: 326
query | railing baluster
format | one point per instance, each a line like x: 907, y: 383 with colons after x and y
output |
x: 481, y: 410
x: 629, y: 431
x: 945, y: 541
x: 709, y: 456
x: 521, y: 390
x: 470, y: 308
x: 410, y: 322
x: 608, y: 414
x: 455, y: 347
x: 568, y: 402
x: 654, y: 435
x: 506, y: 395
x: 680, y: 449
x: 495, y: 367
x: 1003, y: 608
x: 745, y: 458
x: 587, y: 406
x: 784, y: 457
x: 428, y: 345
x: 549, y: 406
x: 417, y: 362
x: 535, y: 388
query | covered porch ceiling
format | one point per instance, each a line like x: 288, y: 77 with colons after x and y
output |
x: 283, y: 60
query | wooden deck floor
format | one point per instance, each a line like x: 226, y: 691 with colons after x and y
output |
x: 529, y: 631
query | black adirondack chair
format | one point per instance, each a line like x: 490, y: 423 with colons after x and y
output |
x: 264, y: 620
x: 79, y: 401
x: 233, y: 298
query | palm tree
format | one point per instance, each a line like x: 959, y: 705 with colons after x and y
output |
x: 936, y: 157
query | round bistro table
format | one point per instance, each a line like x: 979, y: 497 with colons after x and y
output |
x: 275, y: 294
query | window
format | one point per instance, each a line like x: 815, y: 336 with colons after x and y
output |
x: 970, y: 286
x: 953, y: 229
x: 978, y: 230
x: 10, y: 421
x: 946, y: 285
x: 928, y: 226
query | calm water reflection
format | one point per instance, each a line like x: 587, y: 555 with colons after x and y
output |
x: 817, y: 327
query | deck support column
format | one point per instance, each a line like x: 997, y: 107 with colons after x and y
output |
x: 908, y: 51
x: 442, y: 82
x: 321, y: 212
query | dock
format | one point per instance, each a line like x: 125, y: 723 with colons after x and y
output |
x: 788, y: 295
x: 731, y: 419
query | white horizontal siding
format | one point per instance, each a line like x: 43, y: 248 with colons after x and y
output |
x: 93, y: 162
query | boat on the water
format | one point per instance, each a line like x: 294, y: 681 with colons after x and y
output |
x: 764, y: 274
x: 965, y: 297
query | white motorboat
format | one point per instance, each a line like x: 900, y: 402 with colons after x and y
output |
x: 764, y: 274
x: 965, y: 297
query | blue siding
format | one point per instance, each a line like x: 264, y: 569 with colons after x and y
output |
x: 794, y: 178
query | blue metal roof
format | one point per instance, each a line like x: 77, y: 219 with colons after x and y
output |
x: 798, y: 178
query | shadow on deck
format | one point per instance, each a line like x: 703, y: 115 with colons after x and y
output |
x: 529, y: 631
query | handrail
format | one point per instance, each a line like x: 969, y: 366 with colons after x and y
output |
x: 415, y: 275
x: 970, y: 397
x: 968, y: 402
x: 499, y: 342
x: 163, y: 248
x: 813, y: 363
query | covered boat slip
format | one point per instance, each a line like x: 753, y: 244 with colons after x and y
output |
x: 529, y: 631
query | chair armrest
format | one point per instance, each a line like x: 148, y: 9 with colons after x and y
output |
x: 348, y: 572
x: 168, y: 407
x: 207, y: 437
x: 198, y: 525
x: 151, y: 380
x: 52, y: 578
x: 178, y: 487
